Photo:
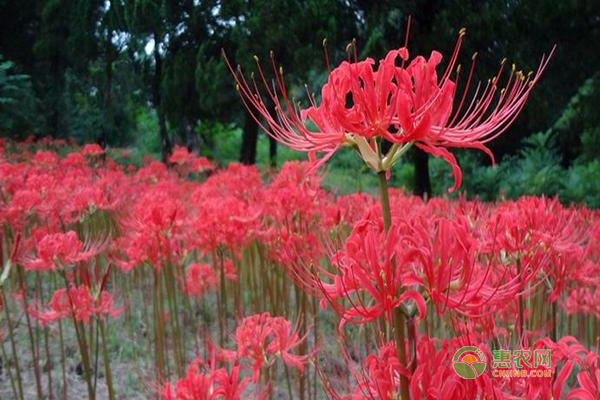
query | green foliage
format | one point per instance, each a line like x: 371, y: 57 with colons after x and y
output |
x: 582, y: 184
x: 535, y: 171
x: 578, y: 127
x: 18, y: 102
x: 146, y: 132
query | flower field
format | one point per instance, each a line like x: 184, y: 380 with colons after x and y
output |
x: 205, y: 283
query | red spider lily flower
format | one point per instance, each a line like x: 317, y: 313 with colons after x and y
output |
x: 380, y: 375
x: 434, y: 378
x: 262, y: 338
x: 348, y: 209
x: 403, y: 104
x: 199, y: 278
x: 588, y: 379
x: 365, y: 281
x: 179, y: 155
x: 294, y: 197
x: 45, y: 158
x: 225, y: 221
x: 206, y: 382
x: 584, y: 296
x: 540, y: 227
x: 78, y: 303
x: 567, y: 356
x: 229, y: 214
x: 457, y: 273
x: 188, y: 162
x: 61, y: 250
x: 156, y: 227
x: 92, y: 150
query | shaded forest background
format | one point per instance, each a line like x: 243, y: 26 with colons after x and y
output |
x: 148, y: 74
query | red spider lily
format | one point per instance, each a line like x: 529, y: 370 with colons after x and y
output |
x: 225, y: 221
x: 588, y: 379
x: 179, y: 155
x: 288, y: 247
x: 376, y: 272
x: 78, y: 303
x: 227, y: 181
x: 45, y: 158
x: 403, y: 104
x: 206, y: 382
x: 584, y: 296
x: 261, y: 339
x: 57, y: 192
x: 294, y: 197
x: 229, y: 213
x: 92, y: 150
x: 433, y: 378
x: 567, y: 356
x: 61, y: 250
x: 199, y: 278
x: 380, y: 377
x: 348, y: 209
x: 293, y: 215
x: 188, y: 162
x: 367, y: 274
x: 155, y: 228
x: 457, y: 273
x: 542, y: 226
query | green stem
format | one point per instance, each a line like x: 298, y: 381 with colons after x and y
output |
x: 106, y: 359
x: 159, y: 336
x: 96, y: 349
x: 81, y: 341
x: 399, y: 321
x: 174, y: 319
x: 521, y: 306
x: 12, y: 344
x: 34, y: 353
x: 223, y: 302
x: 49, y: 362
x: 63, y: 364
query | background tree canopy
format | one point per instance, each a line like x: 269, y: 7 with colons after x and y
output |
x: 148, y: 74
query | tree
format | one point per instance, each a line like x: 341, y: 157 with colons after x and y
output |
x: 293, y: 30
x: 18, y: 102
x: 65, y: 40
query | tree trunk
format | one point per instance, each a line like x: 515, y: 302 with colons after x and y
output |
x: 165, y: 142
x: 108, y: 115
x: 272, y: 152
x: 424, y: 18
x: 56, y: 94
x: 249, y: 140
x: 422, y: 184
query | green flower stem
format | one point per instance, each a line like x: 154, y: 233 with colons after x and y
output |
x: 106, y: 359
x: 399, y: 321
x: 12, y: 343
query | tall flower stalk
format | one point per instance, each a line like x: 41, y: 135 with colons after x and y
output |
x: 398, y: 315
